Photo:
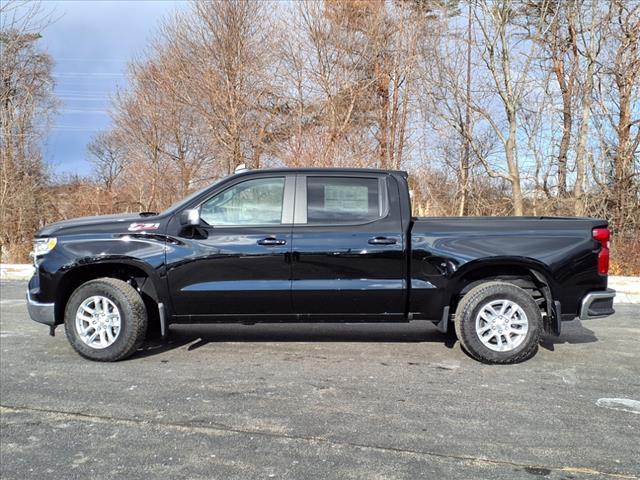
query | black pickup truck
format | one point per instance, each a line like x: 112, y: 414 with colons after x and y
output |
x: 317, y: 245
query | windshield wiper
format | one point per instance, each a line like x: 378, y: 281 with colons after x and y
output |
x: 148, y: 214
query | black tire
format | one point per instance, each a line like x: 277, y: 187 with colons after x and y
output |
x: 468, y: 309
x: 133, y: 319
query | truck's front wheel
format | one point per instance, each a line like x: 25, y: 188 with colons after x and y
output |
x: 105, y: 320
x: 497, y: 322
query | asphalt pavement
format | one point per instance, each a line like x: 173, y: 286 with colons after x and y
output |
x: 319, y: 401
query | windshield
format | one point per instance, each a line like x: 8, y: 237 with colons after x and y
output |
x: 188, y: 199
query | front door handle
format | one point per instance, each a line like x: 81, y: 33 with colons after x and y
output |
x: 271, y: 242
x: 382, y: 241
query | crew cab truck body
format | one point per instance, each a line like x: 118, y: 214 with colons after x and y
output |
x: 311, y: 245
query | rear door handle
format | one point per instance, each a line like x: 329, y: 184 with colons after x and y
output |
x: 271, y: 242
x: 382, y: 241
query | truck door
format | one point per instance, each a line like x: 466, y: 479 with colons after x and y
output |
x: 239, y: 263
x: 348, y: 246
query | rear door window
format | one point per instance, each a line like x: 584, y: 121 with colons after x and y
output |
x: 343, y: 200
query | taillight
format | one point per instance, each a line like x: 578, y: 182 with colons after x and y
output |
x: 603, y: 235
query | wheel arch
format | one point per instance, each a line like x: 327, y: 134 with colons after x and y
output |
x: 527, y: 273
x: 138, y: 275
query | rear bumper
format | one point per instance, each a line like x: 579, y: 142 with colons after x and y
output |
x: 597, y: 304
x: 41, y: 312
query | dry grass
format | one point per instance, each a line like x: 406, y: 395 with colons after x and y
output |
x: 625, y: 255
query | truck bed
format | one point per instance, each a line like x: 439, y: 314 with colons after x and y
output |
x: 561, y: 250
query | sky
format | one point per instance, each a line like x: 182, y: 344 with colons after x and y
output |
x: 91, y: 43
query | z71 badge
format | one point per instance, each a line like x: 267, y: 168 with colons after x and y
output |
x: 137, y: 227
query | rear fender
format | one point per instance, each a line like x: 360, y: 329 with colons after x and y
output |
x: 478, y: 271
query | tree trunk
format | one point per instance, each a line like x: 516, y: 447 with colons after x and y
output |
x: 512, y: 164
x: 566, y: 136
x: 581, y: 170
x: 463, y: 206
x: 382, y: 90
x: 626, y: 69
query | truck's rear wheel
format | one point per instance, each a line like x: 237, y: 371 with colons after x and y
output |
x: 105, y: 320
x: 497, y: 322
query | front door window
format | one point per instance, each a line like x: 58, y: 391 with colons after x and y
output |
x: 254, y: 202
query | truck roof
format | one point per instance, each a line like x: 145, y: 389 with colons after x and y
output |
x: 323, y: 170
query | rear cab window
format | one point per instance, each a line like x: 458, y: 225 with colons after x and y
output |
x: 333, y: 200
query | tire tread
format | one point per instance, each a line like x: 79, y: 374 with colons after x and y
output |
x: 472, y: 297
x: 137, y: 320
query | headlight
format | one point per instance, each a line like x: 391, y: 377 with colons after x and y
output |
x: 43, y: 245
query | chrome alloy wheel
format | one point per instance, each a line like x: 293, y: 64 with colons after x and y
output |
x: 501, y: 325
x: 98, y: 322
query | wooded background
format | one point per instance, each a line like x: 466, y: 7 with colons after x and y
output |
x: 495, y: 107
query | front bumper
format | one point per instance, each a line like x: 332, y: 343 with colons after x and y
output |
x: 41, y: 312
x: 597, y: 304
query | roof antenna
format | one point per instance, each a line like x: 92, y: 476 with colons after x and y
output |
x: 241, y: 168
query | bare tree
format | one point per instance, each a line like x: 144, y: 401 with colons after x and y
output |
x: 507, y: 54
x: 27, y: 104
x: 224, y: 53
x: 593, y: 28
x: 109, y: 157
x: 162, y: 144
x: 560, y: 44
x: 382, y: 38
x: 625, y: 71
x: 324, y: 80
x: 465, y: 163
x: 521, y: 106
x: 445, y: 95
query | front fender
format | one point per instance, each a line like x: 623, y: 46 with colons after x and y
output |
x: 78, y: 256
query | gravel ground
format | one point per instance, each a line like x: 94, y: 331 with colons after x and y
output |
x: 319, y: 401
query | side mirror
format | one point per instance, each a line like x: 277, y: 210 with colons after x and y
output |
x: 190, y: 217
